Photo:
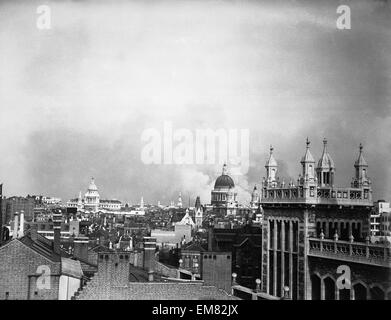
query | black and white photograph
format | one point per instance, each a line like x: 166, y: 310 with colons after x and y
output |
x: 195, y: 150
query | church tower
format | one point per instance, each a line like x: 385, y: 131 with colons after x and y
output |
x: 254, y: 198
x: 271, y: 170
x: 179, y: 201
x: 361, y: 167
x: 80, y: 201
x: 198, y: 213
x: 325, y: 169
x: 142, y: 203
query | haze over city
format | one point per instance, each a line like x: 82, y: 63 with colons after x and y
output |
x: 75, y: 99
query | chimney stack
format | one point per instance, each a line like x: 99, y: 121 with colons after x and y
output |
x: 16, y: 225
x: 149, y: 253
x: 57, y: 219
x: 34, y: 232
x: 80, y: 248
x: 21, y: 229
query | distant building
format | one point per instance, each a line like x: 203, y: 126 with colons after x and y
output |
x: 51, y: 201
x: 110, y: 205
x: 17, y: 204
x: 179, y: 205
x: 181, y: 234
x: 384, y: 210
x: 92, y: 197
x: 224, y: 195
x: 92, y: 202
x: 379, y: 207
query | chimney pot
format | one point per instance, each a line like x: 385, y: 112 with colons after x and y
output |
x: 16, y: 226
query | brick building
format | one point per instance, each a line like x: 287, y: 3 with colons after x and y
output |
x: 33, y: 267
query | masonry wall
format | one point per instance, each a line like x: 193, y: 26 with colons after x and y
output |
x: 217, y: 269
x: 17, y: 263
x: 114, y: 268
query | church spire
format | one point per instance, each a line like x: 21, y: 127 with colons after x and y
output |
x: 271, y: 169
x: 254, y: 197
x: 308, y: 163
x: 325, y: 169
x: 361, y: 168
x: 180, y: 200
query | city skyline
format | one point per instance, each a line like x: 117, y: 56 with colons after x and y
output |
x: 192, y: 197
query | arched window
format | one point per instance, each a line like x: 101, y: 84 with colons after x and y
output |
x: 377, y: 293
x: 360, y: 292
x: 315, y: 287
x: 329, y: 289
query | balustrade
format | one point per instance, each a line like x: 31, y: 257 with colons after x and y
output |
x: 378, y: 254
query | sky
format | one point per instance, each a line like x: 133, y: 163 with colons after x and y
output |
x: 75, y: 99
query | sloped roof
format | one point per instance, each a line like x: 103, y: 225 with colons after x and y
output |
x: 193, y: 247
x: 308, y: 156
x: 72, y: 268
x: 325, y: 161
x: 88, y: 267
x: 361, y: 160
x: 156, y: 291
x: 43, y: 246
x: 271, y: 162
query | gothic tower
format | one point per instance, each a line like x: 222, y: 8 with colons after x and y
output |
x: 198, y: 213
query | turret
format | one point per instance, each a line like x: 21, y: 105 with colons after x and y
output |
x: 254, y: 197
x: 271, y: 170
x: 361, y: 167
x: 308, y: 164
x: 325, y: 169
